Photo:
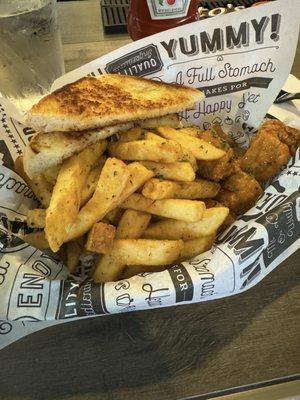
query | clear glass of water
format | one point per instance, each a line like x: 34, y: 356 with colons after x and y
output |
x: 31, y: 55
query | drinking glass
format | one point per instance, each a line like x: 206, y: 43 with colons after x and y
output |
x: 31, y: 55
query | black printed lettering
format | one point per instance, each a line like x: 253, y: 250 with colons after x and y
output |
x: 170, y: 48
x: 189, y: 49
x: 212, y: 44
x: 259, y: 28
x: 237, y: 38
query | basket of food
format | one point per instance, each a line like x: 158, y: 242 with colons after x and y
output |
x: 149, y: 177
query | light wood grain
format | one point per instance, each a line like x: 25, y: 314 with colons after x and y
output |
x: 81, y: 22
x: 80, y: 54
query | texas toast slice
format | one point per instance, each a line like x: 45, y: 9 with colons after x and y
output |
x: 47, y: 150
x: 108, y: 100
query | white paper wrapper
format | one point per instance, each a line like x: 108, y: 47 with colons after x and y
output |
x: 241, y: 62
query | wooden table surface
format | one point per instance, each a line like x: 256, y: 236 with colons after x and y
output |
x: 162, y: 354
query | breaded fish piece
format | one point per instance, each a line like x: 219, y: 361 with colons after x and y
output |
x: 265, y: 155
x: 286, y: 134
x: 239, y: 192
x: 107, y: 100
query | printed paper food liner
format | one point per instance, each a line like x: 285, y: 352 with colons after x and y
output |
x: 241, y: 62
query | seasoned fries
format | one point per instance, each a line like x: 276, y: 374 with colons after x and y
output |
x: 66, y: 198
x: 153, y: 136
x: 148, y: 252
x: 138, y: 176
x: 41, y: 188
x: 135, y: 133
x: 114, y: 215
x: 110, y: 266
x: 113, y: 179
x: 90, y: 185
x: 183, y: 210
x: 200, y: 189
x: 149, y: 150
x: 172, y: 229
x: 36, y: 218
x: 136, y: 252
x: 73, y: 253
x: 167, y: 120
x: 145, y: 215
x: 132, y: 224
x: 187, y: 156
x: 193, y: 247
x: 39, y: 185
x: 198, y: 147
x: 178, y: 171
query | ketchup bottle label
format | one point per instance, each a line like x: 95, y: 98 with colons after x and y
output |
x: 168, y: 9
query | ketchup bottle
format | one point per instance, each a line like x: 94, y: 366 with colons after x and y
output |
x: 146, y: 17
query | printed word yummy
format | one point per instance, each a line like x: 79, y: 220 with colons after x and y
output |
x: 229, y: 37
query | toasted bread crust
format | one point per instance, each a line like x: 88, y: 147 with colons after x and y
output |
x: 107, y: 100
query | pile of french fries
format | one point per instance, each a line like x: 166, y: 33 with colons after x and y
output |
x: 136, y: 202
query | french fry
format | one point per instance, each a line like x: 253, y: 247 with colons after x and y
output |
x: 114, y: 215
x: 39, y: 185
x: 148, y: 252
x: 109, y: 267
x: 186, y: 157
x: 179, y: 209
x: 153, y: 136
x: 36, y: 218
x: 138, y: 176
x: 194, y: 247
x: 166, y: 120
x: 178, y: 171
x: 231, y: 217
x: 100, y: 238
x: 73, y: 253
x: 171, y: 229
x: 156, y: 189
x: 66, y: 198
x: 132, y: 270
x: 191, y: 131
x: 42, y: 189
x: 112, y: 182
x: 201, y: 149
x: 146, y: 150
x: 91, y: 182
x: 132, y: 224
x: 136, y: 252
x: 36, y: 239
x: 51, y: 174
x: 135, y: 133
x: 189, y: 158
